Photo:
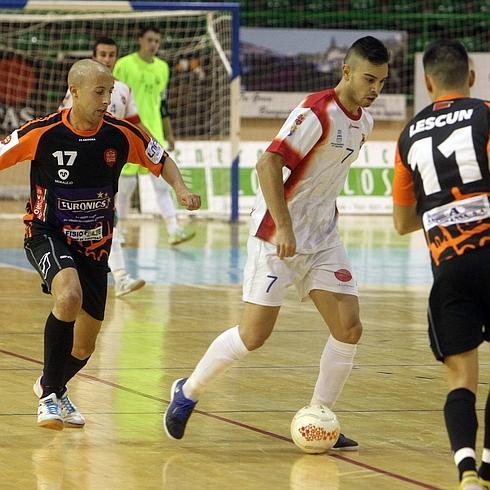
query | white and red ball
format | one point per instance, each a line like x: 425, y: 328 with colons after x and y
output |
x: 315, y: 429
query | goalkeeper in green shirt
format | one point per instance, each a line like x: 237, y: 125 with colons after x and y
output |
x: 148, y: 77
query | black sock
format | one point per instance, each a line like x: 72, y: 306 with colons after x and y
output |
x: 58, y: 343
x: 485, y: 466
x: 466, y: 464
x: 72, y: 366
x: 461, y: 424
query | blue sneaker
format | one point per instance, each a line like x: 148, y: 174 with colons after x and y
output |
x: 178, y: 411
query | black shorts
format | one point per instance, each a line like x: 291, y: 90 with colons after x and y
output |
x: 459, y: 304
x: 49, y: 254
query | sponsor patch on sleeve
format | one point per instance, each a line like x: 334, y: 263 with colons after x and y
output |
x: 154, y: 151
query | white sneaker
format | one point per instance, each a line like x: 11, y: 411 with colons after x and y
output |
x: 49, y: 413
x: 181, y: 235
x: 470, y: 481
x: 126, y: 284
x: 69, y: 412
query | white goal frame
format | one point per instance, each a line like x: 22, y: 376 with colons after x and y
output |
x: 122, y: 7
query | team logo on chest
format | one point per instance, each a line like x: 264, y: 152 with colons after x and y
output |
x: 339, y: 140
x: 110, y: 156
x: 63, y: 174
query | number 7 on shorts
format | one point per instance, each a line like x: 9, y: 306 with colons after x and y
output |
x: 274, y: 279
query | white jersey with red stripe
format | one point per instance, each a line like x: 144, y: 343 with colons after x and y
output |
x: 122, y: 103
x: 319, y: 141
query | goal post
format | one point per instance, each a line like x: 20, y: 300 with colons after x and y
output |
x: 40, y: 40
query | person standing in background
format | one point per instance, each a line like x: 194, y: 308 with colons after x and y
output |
x: 148, y: 77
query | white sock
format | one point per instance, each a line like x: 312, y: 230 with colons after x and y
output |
x: 485, y: 457
x: 118, y: 274
x: 225, y: 350
x: 172, y: 225
x: 116, y: 257
x: 335, y: 366
x: 127, y: 185
x: 167, y: 210
x: 165, y: 203
x: 463, y: 453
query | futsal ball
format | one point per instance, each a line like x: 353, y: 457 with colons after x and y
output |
x: 315, y: 429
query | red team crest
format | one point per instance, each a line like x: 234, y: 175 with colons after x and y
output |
x: 299, y: 119
x: 110, y: 156
x: 297, y: 122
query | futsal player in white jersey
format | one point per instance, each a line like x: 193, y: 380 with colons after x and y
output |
x: 294, y: 238
x: 122, y: 106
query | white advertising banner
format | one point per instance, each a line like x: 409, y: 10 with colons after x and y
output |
x: 480, y: 90
x: 205, y: 169
x: 278, y: 105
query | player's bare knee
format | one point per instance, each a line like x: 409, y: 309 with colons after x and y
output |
x: 253, y: 340
x: 68, y: 303
x: 83, y: 352
x: 350, y: 333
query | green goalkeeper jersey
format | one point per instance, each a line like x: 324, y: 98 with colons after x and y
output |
x: 148, y: 82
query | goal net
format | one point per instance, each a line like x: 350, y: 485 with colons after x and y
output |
x: 38, y: 47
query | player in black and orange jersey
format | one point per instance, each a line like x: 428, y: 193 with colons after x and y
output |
x: 76, y: 157
x: 442, y: 184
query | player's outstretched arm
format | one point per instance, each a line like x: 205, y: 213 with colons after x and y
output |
x: 148, y: 153
x: 172, y: 175
x: 269, y: 170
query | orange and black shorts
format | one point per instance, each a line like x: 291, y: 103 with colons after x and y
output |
x: 49, y: 254
x: 459, y: 304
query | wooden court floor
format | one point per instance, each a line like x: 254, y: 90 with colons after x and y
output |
x: 238, y: 438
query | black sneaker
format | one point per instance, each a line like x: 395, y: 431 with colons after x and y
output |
x: 178, y: 412
x: 345, y: 444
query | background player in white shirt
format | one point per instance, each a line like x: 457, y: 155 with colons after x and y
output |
x: 294, y: 237
x: 123, y: 106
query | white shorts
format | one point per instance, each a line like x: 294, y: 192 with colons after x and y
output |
x: 266, y: 277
